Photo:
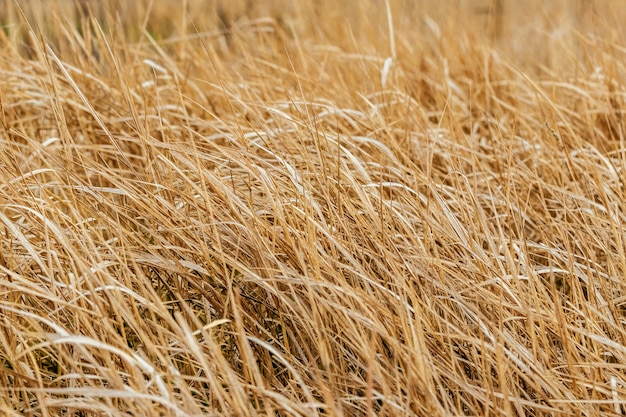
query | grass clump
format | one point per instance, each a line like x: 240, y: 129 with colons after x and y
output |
x: 304, y: 208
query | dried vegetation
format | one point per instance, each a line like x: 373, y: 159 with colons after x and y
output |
x: 312, y: 208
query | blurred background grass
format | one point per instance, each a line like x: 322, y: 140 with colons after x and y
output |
x: 532, y: 34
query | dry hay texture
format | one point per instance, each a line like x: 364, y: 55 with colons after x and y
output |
x: 312, y: 208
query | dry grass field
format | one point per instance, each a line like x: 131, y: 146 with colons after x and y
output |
x: 312, y: 208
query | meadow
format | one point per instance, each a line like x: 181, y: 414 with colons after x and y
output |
x: 312, y: 208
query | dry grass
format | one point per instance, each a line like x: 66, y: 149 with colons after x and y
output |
x: 295, y: 208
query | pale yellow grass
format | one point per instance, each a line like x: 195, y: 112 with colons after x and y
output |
x: 312, y: 208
